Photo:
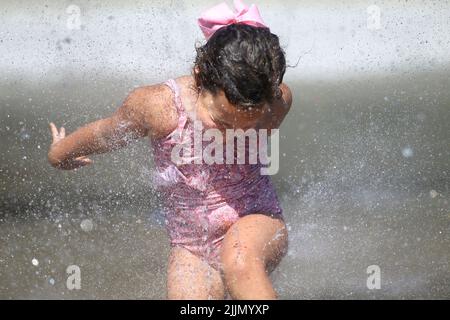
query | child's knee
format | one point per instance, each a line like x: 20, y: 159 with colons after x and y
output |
x: 241, y: 263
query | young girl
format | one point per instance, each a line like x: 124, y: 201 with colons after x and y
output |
x: 224, y: 221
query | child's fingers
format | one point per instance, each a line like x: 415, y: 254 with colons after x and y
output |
x: 83, y: 160
x: 53, y: 129
x: 57, y: 135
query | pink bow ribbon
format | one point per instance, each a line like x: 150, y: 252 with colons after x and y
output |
x: 221, y: 16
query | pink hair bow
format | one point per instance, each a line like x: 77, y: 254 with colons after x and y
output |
x: 221, y: 16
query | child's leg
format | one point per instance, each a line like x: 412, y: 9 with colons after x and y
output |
x: 191, y: 278
x: 252, y: 246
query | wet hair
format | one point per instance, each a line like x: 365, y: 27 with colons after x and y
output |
x: 246, y: 62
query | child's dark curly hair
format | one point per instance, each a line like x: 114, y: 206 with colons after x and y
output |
x: 246, y: 62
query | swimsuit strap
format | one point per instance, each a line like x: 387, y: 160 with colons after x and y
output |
x: 182, y: 117
x: 176, y: 90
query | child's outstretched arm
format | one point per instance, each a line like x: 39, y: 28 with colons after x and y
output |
x: 140, y: 115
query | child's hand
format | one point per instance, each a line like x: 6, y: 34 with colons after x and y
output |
x: 57, y: 136
x: 73, y: 163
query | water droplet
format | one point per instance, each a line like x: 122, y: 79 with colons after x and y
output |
x: 434, y: 194
x: 407, y: 152
x: 87, y: 225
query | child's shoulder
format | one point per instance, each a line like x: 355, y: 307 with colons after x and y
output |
x: 287, y: 94
x: 153, y: 103
x: 282, y: 105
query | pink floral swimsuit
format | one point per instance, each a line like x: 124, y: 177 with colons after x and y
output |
x: 203, y: 200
